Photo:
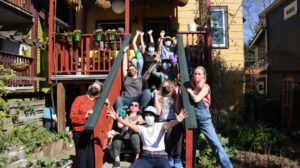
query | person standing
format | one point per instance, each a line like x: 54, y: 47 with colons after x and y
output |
x: 201, y: 96
x: 152, y: 136
x: 84, y: 140
x: 167, y: 104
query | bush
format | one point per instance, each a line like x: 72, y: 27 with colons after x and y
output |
x: 257, y: 136
x: 205, y: 156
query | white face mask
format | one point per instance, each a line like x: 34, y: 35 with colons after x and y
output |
x: 167, y: 43
x: 149, y: 120
x: 151, y: 49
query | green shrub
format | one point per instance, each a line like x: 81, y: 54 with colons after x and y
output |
x: 205, y: 156
x: 257, y: 136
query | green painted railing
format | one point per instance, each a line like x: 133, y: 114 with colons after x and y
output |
x: 92, y: 120
x: 190, y: 121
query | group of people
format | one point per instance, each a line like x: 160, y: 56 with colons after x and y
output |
x: 149, y: 114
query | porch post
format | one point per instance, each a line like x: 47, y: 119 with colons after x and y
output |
x: 209, y: 46
x: 50, y: 38
x: 61, y: 108
x: 34, y: 36
x: 127, y: 19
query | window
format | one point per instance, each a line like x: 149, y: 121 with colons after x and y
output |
x: 219, y: 23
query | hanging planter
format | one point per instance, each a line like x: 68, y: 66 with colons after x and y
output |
x: 105, y: 36
x: 74, y: 2
x: 19, y: 67
x: 98, y: 35
x: 77, y: 35
x: 121, y: 35
x: 105, y: 4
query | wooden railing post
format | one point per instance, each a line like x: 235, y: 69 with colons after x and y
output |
x: 50, y: 38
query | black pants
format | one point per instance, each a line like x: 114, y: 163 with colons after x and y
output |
x: 120, y: 143
x: 173, y: 140
x: 84, y: 145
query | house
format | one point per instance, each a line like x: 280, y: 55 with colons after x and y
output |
x: 277, y: 47
x: 23, y: 48
x: 78, y: 58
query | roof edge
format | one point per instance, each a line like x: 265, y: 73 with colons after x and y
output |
x: 271, y: 7
x: 256, y: 37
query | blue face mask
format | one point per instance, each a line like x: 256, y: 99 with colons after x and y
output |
x: 149, y: 120
x: 165, y: 66
x: 151, y: 49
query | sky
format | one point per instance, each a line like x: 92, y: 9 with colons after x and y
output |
x: 251, y: 10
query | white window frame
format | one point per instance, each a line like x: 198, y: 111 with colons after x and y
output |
x: 223, y: 41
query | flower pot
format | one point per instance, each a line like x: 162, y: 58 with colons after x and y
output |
x: 69, y: 37
x: 77, y: 36
x: 106, y: 38
x: 98, y: 36
x: 112, y: 37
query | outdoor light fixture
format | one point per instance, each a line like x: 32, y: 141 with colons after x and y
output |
x: 118, y: 6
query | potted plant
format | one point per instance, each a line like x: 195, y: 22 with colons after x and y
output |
x: 69, y: 36
x: 77, y: 35
x: 98, y: 35
x: 112, y: 34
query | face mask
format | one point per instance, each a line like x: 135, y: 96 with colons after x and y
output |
x: 167, y: 43
x: 165, y: 66
x: 93, y: 91
x: 151, y: 50
x: 149, y: 120
x: 199, y: 77
x: 166, y: 90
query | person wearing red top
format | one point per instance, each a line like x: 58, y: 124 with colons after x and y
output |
x: 84, y: 140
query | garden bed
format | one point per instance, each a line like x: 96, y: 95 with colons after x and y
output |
x: 256, y: 160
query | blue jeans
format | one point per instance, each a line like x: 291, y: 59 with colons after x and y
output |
x: 154, y: 161
x: 205, y: 126
x: 143, y: 99
x: 138, y: 63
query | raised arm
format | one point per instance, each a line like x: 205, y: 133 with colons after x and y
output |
x: 125, y: 61
x: 112, y: 113
x: 157, y: 105
x: 179, y: 118
x: 143, y: 46
x: 150, y: 35
x: 198, y: 97
x: 134, y: 40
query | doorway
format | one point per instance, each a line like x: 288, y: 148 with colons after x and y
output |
x: 156, y: 24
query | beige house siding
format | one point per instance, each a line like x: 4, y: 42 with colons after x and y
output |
x: 180, y: 17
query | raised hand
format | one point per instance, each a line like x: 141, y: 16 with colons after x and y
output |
x: 162, y: 33
x: 150, y: 32
x: 141, y: 33
x: 112, y: 113
x: 182, y: 115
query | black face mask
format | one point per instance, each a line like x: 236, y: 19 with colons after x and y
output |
x: 166, y: 90
x: 93, y: 91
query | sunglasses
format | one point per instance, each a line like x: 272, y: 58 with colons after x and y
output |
x: 135, y: 105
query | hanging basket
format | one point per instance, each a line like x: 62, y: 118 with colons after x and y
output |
x: 19, y: 67
x: 105, y: 4
x: 182, y: 2
x: 74, y: 2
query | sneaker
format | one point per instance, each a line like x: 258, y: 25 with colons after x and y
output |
x: 178, y: 162
x: 116, y: 164
x: 171, y: 161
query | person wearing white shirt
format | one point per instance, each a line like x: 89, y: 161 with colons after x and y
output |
x: 152, y: 136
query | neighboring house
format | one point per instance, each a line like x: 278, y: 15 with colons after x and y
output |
x: 23, y: 48
x: 257, y: 71
x: 281, y: 32
x: 75, y: 62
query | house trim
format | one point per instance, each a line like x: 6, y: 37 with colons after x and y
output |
x: 273, y: 6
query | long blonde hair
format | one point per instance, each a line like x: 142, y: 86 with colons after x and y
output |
x: 172, y: 89
x: 193, y: 85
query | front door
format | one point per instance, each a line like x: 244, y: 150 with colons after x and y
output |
x: 157, y: 25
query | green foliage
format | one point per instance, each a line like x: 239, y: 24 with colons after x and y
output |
x: 204, y: 154
x: 256, y: 135
x: 5, y: 74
